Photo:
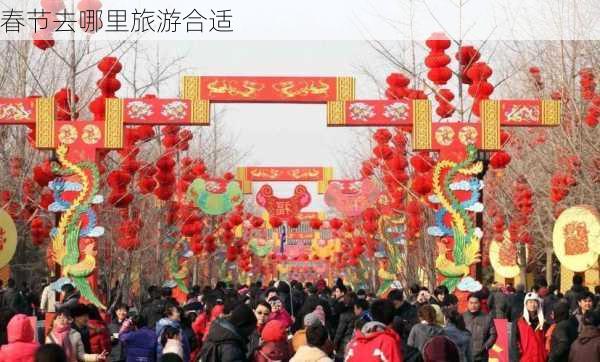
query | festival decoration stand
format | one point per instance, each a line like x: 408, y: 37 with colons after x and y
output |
x: 576, y: 241
x: 8, y: 242
x: 503, y: 258
x: 351, y: 197
x: 76, y: 143
x: 456, y: 181
x: 247, y: 175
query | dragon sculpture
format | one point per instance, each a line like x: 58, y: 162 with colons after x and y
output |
x: 449, y: 178
x: 66, y: 237
x: 177, y: 261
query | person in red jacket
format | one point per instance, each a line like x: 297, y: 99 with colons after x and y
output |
x: 99, y: 332
x: 274, y: 345
x: 279, y: 313
x: 528, y: 342
x: 21, y: 346
x: 376, y: 341
x: 201, y: 324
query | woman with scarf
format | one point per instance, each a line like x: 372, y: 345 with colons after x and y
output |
x: 528, y: 342
x: 70, y: 340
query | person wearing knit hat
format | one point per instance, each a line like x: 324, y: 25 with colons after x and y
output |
x: 274, y: 344
x: 311, y: 318
x: 528, y: 332
x: 228, y: 337
x: 299, y: 338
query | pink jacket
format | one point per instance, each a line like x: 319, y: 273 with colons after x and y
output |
x: 21, y: 346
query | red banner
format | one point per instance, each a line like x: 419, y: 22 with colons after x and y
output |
x: 499, y: 352
x: 269, y: 89
x: 306, y: 270
x: 248, y: 175
x: 284, y: 173
x: 17, y: 110
x: 370, y: 113
x: 519, y: 113
x: 153, y: 111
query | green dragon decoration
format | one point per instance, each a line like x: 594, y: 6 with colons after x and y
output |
x: 466, y: 236
x: 178, y: 265
x: 65, y: 242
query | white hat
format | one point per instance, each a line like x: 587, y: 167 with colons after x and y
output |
x: 533, y: 296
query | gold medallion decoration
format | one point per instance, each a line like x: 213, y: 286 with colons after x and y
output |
x: 67, y: 134
x: 444, y: 135
x: 468, y: 135
x: 503, y: 257
x: 91, y: 134
x: 8, y: 238
x: 576, y: 238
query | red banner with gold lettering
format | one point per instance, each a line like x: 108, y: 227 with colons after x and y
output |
x: 248, y: 175
x: 269, y: 89
x: 499, y: 352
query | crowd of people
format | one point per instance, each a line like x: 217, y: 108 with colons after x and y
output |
x: 307, y: 322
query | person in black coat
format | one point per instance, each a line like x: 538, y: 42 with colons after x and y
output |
x: 13, y: 299
x: 405, y: 317
x: 482, y: 328
x: 70, y: 298
x: 516, y: 303
x: 228, y: 337
x: 550, y: 301
x: 345, y: 328
x: 573, y: 293
x: 564, y: 333
x: 153, y: 311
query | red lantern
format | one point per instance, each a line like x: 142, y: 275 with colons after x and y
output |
x: 293, y: 222
x: 421, y: 162
x: 480, y: 89
x: 499, y: 160
x: 316, y: 223
x: 437, y: 60
x: 335, y: 223
x: 275, y: 222
x: 422, y: 184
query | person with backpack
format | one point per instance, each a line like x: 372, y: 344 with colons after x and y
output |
x: 228, y: 337
x: 376, y: 340
x: 425, y: 330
